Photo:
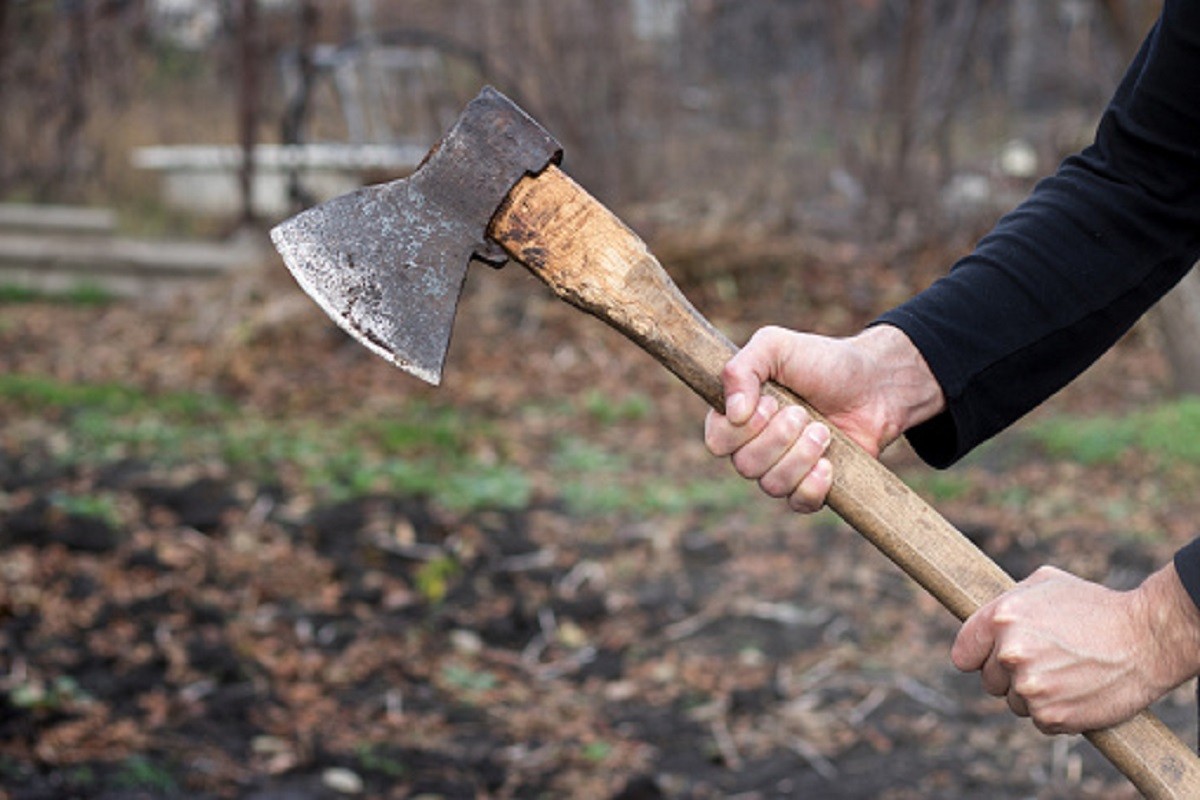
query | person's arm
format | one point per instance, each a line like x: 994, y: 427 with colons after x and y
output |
x: 1068, y: 272
x: 1055, y: 284
x: 1076, y: 656
x: 1049, y: 290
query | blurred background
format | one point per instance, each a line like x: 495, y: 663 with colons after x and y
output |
x: 240, y: 556
x: 872, y: 116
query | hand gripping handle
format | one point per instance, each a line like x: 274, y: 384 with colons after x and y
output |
x: 589, y: 258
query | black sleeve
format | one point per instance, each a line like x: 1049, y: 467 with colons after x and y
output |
x: 1063, y: 276
x: 1187, y: 566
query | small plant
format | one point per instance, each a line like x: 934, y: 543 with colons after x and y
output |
x: 469, y: 680
x: 139, y: 772
x: 373, y: 758
x: 435, y: 576
x: 597, y: 751
x: 63, y: 692
x: 100, y: 506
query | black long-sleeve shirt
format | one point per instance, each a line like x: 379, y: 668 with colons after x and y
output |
x: 1062, y: 277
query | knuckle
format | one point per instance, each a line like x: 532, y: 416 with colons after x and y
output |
x: 995, y: 682
x: 798, y: 419
x: 1017, y: 704
x: 1007, y: 610
x: 1012, y: 657
x: 746, y: 465
x: 715, y: 439
x: 785, y: 429
x: 801, y: 505
x: 774, y: 484
x: 1052, y: 719
x: 1029, y: 686
x: 806, y: 497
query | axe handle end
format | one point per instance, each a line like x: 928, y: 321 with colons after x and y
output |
x: 592, y: 260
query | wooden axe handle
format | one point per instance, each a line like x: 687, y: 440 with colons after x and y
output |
x: 592, y: 260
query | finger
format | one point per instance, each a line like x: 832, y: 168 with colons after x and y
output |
x: 746, y: 372
x: 786, y: 475
x: 723, y: 438
x: 757, y: 456
x: 975, y: 641
x: 811, y: 493
x: 1017, y: 704
x: 995, y: 677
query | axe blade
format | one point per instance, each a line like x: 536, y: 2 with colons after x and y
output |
x: 388, y: 262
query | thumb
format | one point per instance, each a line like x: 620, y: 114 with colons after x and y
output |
x: 975, y: 640
x: 755, y: 364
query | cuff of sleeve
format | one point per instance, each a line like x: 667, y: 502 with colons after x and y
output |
x: 1187, y: 566
x: 936, y: 441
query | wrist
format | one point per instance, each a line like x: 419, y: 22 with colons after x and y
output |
x: 1172, y: 622
x: 909, y: 394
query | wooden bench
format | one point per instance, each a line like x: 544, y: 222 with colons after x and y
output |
x: 205, y: 179
x: 65, y: 249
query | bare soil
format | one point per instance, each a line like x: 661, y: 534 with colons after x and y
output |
x: 225, y: 635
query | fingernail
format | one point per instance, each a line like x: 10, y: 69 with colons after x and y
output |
x: 735, y: 408
x: 819, y: 433
x: 823, y: 469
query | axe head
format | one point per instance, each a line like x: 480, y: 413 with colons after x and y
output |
x: 388, y: 262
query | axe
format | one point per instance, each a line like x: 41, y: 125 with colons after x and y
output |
x: 388, y: 263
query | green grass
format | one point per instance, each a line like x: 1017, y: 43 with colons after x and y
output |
x: 100, y: 506
x: 140, y: 773
x: 939, y: 487
x: 595, y: 481
x: 1168, y: 433
x: 37, y: 392
x: 607, y: 410
x: 81, y: 294
x: 423, y: 450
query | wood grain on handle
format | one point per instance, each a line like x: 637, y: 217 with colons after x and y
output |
x: 589, y: 258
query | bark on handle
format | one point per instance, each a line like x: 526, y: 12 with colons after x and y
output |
x: 592, y: 260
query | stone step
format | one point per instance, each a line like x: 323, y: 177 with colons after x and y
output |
x: 57, y: 220
x: 118, y: 266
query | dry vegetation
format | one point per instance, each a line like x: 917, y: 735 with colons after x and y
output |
x: 242, y: 557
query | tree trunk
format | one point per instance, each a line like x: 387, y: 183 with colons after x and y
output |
x: 248, y: 103
x: 1177, y: 317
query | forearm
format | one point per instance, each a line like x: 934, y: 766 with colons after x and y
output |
x: 1173, y: 622
x: 1062, y: 277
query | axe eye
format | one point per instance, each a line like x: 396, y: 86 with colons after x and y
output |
x: 490, y: 253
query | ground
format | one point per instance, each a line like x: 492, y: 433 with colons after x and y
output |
x: 242, y: 557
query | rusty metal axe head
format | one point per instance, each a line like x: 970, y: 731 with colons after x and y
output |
x: 388, y: 262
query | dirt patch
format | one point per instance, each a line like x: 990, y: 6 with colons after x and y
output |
x: 195, y: 631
